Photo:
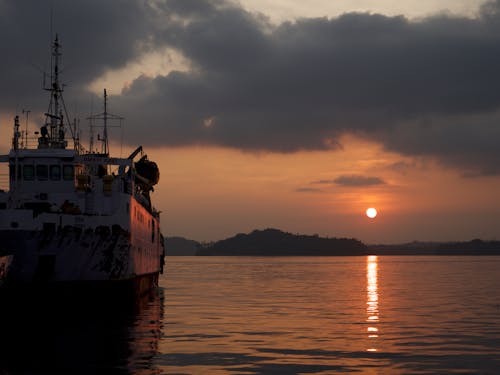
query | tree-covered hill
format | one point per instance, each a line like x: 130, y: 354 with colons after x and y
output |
x: 274, y: 242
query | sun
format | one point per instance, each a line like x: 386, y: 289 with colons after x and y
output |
x: 371, y: 213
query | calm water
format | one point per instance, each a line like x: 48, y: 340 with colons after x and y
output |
x: 241, y: 315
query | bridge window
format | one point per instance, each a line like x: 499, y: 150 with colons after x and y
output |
x: 28, y: 172
x: 68, y: 173
x: 55, y: 172
x: 42, y: 172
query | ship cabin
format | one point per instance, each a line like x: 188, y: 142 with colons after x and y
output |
x: 40, y: 177
x: 45, y: 179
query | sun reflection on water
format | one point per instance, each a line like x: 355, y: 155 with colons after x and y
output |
x: 372, y: 311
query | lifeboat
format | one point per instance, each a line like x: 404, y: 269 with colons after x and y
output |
x: 148, y: 170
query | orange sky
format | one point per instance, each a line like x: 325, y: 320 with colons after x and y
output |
x: 212, y: 193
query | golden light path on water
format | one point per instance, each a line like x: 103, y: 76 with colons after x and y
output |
x: 372, y: 311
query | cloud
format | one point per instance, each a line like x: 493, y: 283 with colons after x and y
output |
x: 308, y: 190
x: 358, y: 181
x: 416, y: 87
x: 401, y: 167
x: 96, y: 36
x: 352, y: 181
x: 421, y: 88
x: 324, y: 182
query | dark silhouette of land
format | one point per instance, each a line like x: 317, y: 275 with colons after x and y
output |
x: 274, y: 242
x: 178, y: 246
x: 473, y: 247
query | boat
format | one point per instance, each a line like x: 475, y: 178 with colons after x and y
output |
x: 73, y: 217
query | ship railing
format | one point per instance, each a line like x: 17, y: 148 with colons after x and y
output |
x: 90, y: 159
x: 32, y: 142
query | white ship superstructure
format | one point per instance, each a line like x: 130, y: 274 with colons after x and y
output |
x: 72, y: 216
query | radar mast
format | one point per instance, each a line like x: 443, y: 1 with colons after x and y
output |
x: 104, y: 116
x: 53, y: 130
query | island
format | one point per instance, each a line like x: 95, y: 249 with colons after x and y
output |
x: 274, y: 242
x: 179, y: 246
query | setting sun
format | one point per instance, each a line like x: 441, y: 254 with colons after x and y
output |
x: 371, y: 212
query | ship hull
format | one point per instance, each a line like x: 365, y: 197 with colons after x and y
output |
x: 74, y: 259
x: 80, y: 292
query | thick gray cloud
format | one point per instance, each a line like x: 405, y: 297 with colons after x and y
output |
x: 95, y: 36
x: 421, y: 88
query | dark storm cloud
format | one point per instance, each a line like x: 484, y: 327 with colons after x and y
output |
x: 421, y: 88
x: 417, y: 87
x: 95, y: 36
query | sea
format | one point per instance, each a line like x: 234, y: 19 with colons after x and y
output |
x: 274, y: 315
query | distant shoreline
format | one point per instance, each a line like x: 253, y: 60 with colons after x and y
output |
x: 274, y: 242
x: 473, y: 247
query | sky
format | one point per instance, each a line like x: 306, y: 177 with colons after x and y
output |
x: 282, y: 113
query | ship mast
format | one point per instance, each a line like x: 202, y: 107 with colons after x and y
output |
x: 105, y: 130
x: 104, y: 116
x: 53, y: 131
